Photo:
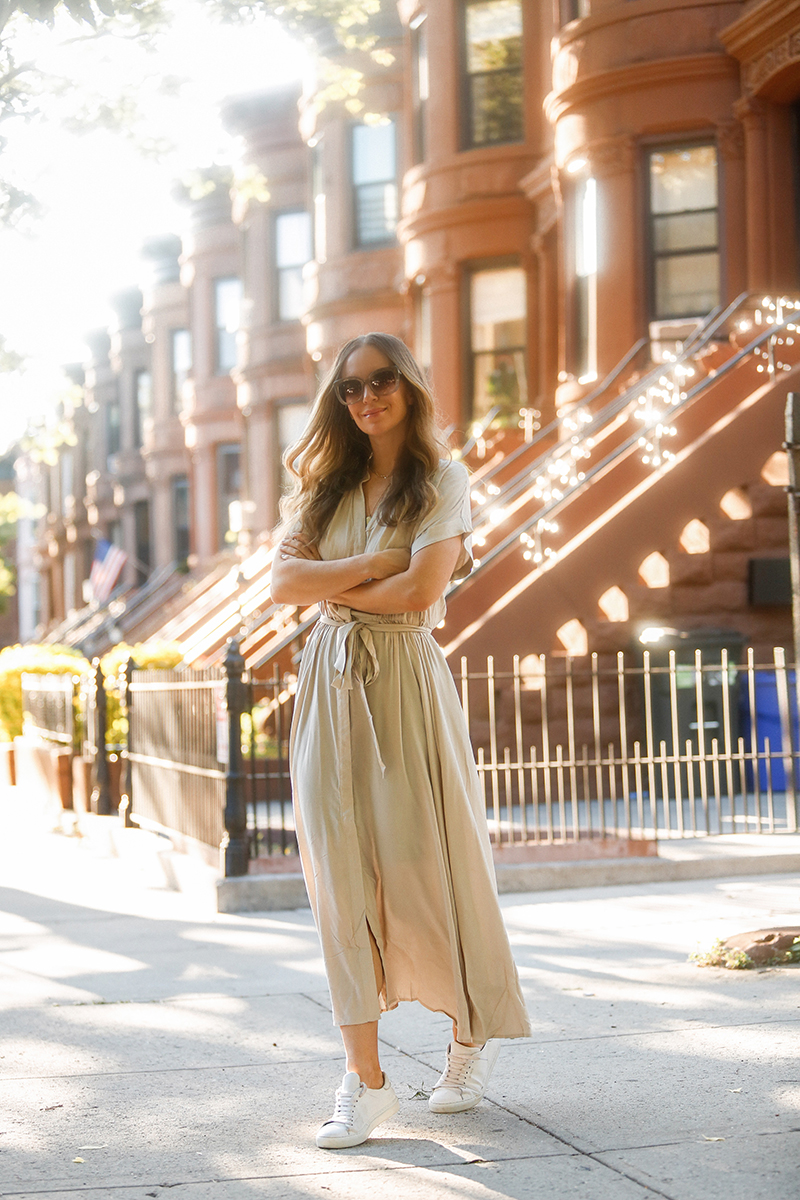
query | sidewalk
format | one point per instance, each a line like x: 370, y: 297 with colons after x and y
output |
x: 181, y: 1052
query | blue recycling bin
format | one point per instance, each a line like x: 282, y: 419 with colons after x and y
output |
x: 768, y: 726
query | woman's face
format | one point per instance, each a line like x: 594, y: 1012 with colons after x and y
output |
x: 375, y: 416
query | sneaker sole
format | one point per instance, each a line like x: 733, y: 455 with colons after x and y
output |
x: 454, y: 1106
x: 355, y: 1139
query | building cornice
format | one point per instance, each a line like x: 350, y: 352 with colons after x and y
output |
x: 640, y: 76
x: 760, y: 27
x: 765, y: 40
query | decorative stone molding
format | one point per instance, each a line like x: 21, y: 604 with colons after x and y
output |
x: 765, y: 40
x: 750, y: 109
x: 758, y: 72
x: 612, y: 156
x: 730, y: 141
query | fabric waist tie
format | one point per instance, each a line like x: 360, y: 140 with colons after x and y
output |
x: 356, y: 665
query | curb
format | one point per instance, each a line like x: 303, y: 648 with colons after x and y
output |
x: 272, y: 893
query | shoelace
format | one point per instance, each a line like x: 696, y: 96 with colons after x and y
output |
x: 456, y: 1071
x: 345, y: 1106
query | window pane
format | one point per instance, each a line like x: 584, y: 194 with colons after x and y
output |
x: 376, y: 212
x: 494, y: 35
x: 292, y: 239
x: 228, y: 296
x: 374, y: 153
x: 228, y: 486
x: 498, y: 308
x: 227, y: 305
x: 181, y: 363
x: 292, y: 419
x: 498, y: 319
x: 496, y: 107
x: 685, y: 231
x: 686, y: 285
x: 683, y: 179
x: 291, y: 294
x: 318, y: 190
x: 144, y: 393
x: 499, y: 382
x: 144, y: 403
x: 113, y: 427
x: 180, y: 517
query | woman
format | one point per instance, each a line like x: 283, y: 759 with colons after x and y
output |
x: 389, y: 809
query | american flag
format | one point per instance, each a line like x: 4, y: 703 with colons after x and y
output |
x: 107, y: 563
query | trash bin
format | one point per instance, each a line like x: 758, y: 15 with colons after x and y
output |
x: 711, y: 643
x: 769, y: 729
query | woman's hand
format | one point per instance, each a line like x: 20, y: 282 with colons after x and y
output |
x: 390, y: 562
x: 293, y: 546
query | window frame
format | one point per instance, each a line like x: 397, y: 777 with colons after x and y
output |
x: 285, y: 402
x: 176, y: 397
x: 278, y: 271
x: 580, y: 288
x: 140, y: 418
x: 143, y: 525
x: 419, y: 103
x: 113, y: 426
x: 653, y: 146
x: 180, y: 482
x: 466, y: 132
x: 220, y: 451
x: 219, y: 369
x: 469, y: 357
x: 391, y: 239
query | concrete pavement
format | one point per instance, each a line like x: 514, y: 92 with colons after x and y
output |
x: 152, y: 1047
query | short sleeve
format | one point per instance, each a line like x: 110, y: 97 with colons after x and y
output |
x: 450, y: 516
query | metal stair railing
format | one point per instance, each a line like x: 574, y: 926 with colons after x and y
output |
x: 706, y: 330
x: 555, y: 426
x: 594, y: 423
x: 551, y: 507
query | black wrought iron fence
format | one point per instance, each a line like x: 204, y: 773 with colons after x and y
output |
x: 270, y: 705
x: 178, y: 751
x: 208, y: 758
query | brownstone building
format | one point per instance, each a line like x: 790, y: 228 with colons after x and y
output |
x: 583, y: 218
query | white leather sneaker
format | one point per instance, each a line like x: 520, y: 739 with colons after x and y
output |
x: 357, y: 1111
x: 465, y: 1076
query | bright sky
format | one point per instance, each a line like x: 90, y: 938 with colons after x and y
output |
x: 102, y: 197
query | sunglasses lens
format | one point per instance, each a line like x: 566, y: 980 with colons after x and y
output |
x: 349, y: 391
x: 383, y: 381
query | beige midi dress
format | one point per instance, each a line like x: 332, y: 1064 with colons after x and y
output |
x: 389, y: 808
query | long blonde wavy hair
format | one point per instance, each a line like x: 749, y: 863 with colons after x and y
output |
x: 331, y: 457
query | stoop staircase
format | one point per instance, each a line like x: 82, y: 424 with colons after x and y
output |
x: 574, y: 511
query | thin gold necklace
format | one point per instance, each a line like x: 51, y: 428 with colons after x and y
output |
x: 374, y: 472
